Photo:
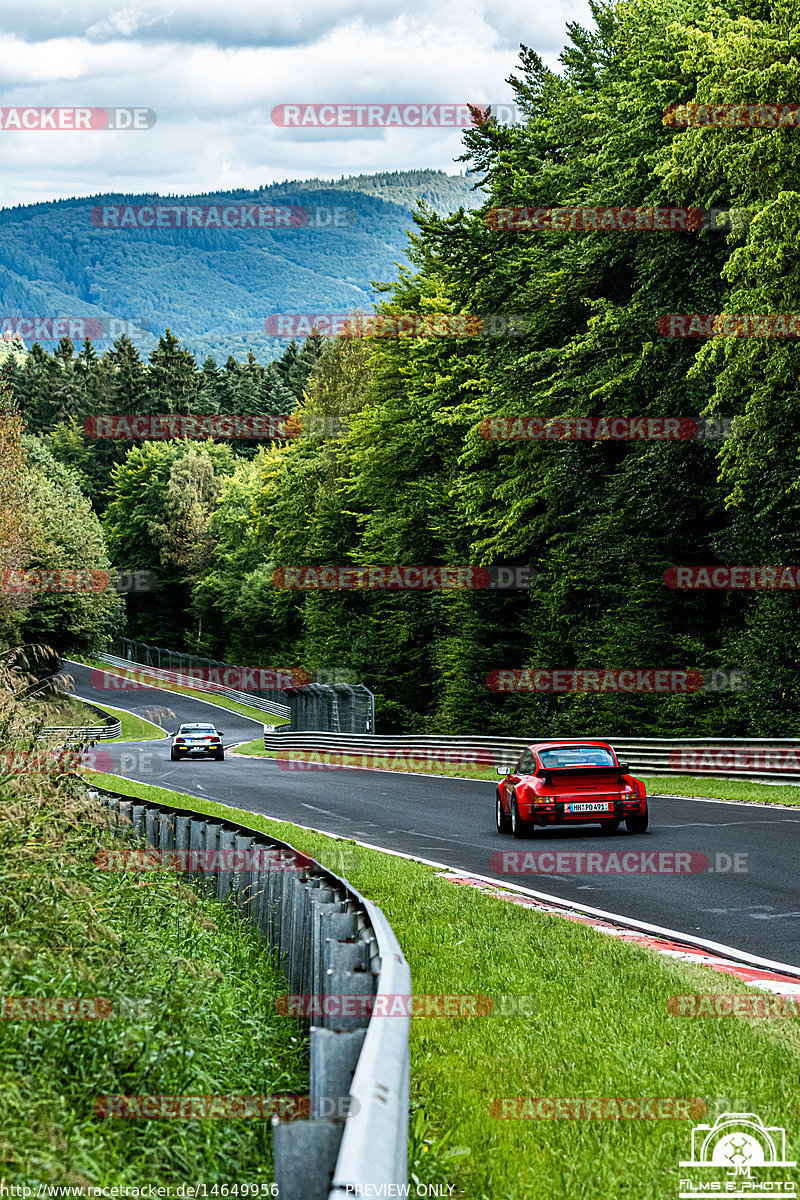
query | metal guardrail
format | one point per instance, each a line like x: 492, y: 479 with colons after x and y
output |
x: 769, y: 759
x: 111, y: 727
x: 93, y: 732
x: 188, y: 681
x: 331, y: 940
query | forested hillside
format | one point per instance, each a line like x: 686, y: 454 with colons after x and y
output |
x: 216, y: 286
x: 411, y: 479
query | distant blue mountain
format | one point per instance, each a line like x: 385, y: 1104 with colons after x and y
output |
x: 212, y: 286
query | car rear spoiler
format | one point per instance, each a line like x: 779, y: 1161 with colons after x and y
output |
x: 548, y: 772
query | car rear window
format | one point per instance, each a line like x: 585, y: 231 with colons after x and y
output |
x: 577, y: 756
x: 198, y: 729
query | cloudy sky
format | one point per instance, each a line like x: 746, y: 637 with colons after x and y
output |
x: 213, y: 73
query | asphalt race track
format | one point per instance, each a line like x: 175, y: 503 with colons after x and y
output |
x: 756, y: 909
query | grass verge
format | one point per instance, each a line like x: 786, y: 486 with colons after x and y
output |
x: 604, y: 1030
x: 192, y: 993
x: 134, y: 728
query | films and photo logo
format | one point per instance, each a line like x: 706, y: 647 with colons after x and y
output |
x: 738, y: 1156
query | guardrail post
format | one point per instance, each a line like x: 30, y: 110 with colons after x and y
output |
x: 320, y: 895
x: 226, y: 843
x: 347, y: 974
x: 211, y: 832
x: 182, y: 825
x: 333, y: 1055
x: 277, y: 879
x: 293, y: 928
x: 137, y: 820
x: 166, y: 830
x: 241, y: 876
x: 151, y: 826
x: 197, y: 844
x: 318, y: 940
x: 305, y: 1157
x: 259, y: 906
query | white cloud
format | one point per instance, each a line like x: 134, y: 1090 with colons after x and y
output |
x: 213, y: 74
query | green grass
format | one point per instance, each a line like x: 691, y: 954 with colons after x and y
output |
x: 134, y: 728
x: 192, y: 990
x: 604, y: 1031
x: 245, y: 710
x: 61, y: 710
x: 68, y: 710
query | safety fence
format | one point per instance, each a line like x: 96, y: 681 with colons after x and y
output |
x: 765, y: 759
x: 335, y: 707
x: 330, y: 941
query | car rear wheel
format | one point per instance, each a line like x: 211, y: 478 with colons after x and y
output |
x: 637, y: 823
x: 173, y: 756
x: 220, y: 757
x: 519, y: 828
x: 502, y: 819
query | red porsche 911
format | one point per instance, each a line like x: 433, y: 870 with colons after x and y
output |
x: 569, y: 783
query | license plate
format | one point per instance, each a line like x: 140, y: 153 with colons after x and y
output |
x: 589, y: 806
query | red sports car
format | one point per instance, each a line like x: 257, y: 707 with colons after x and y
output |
x: 569, y: 783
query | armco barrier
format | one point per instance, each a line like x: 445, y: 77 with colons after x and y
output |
x: 331, y: 940
x: 653, y: 756
x: 111, y: 727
